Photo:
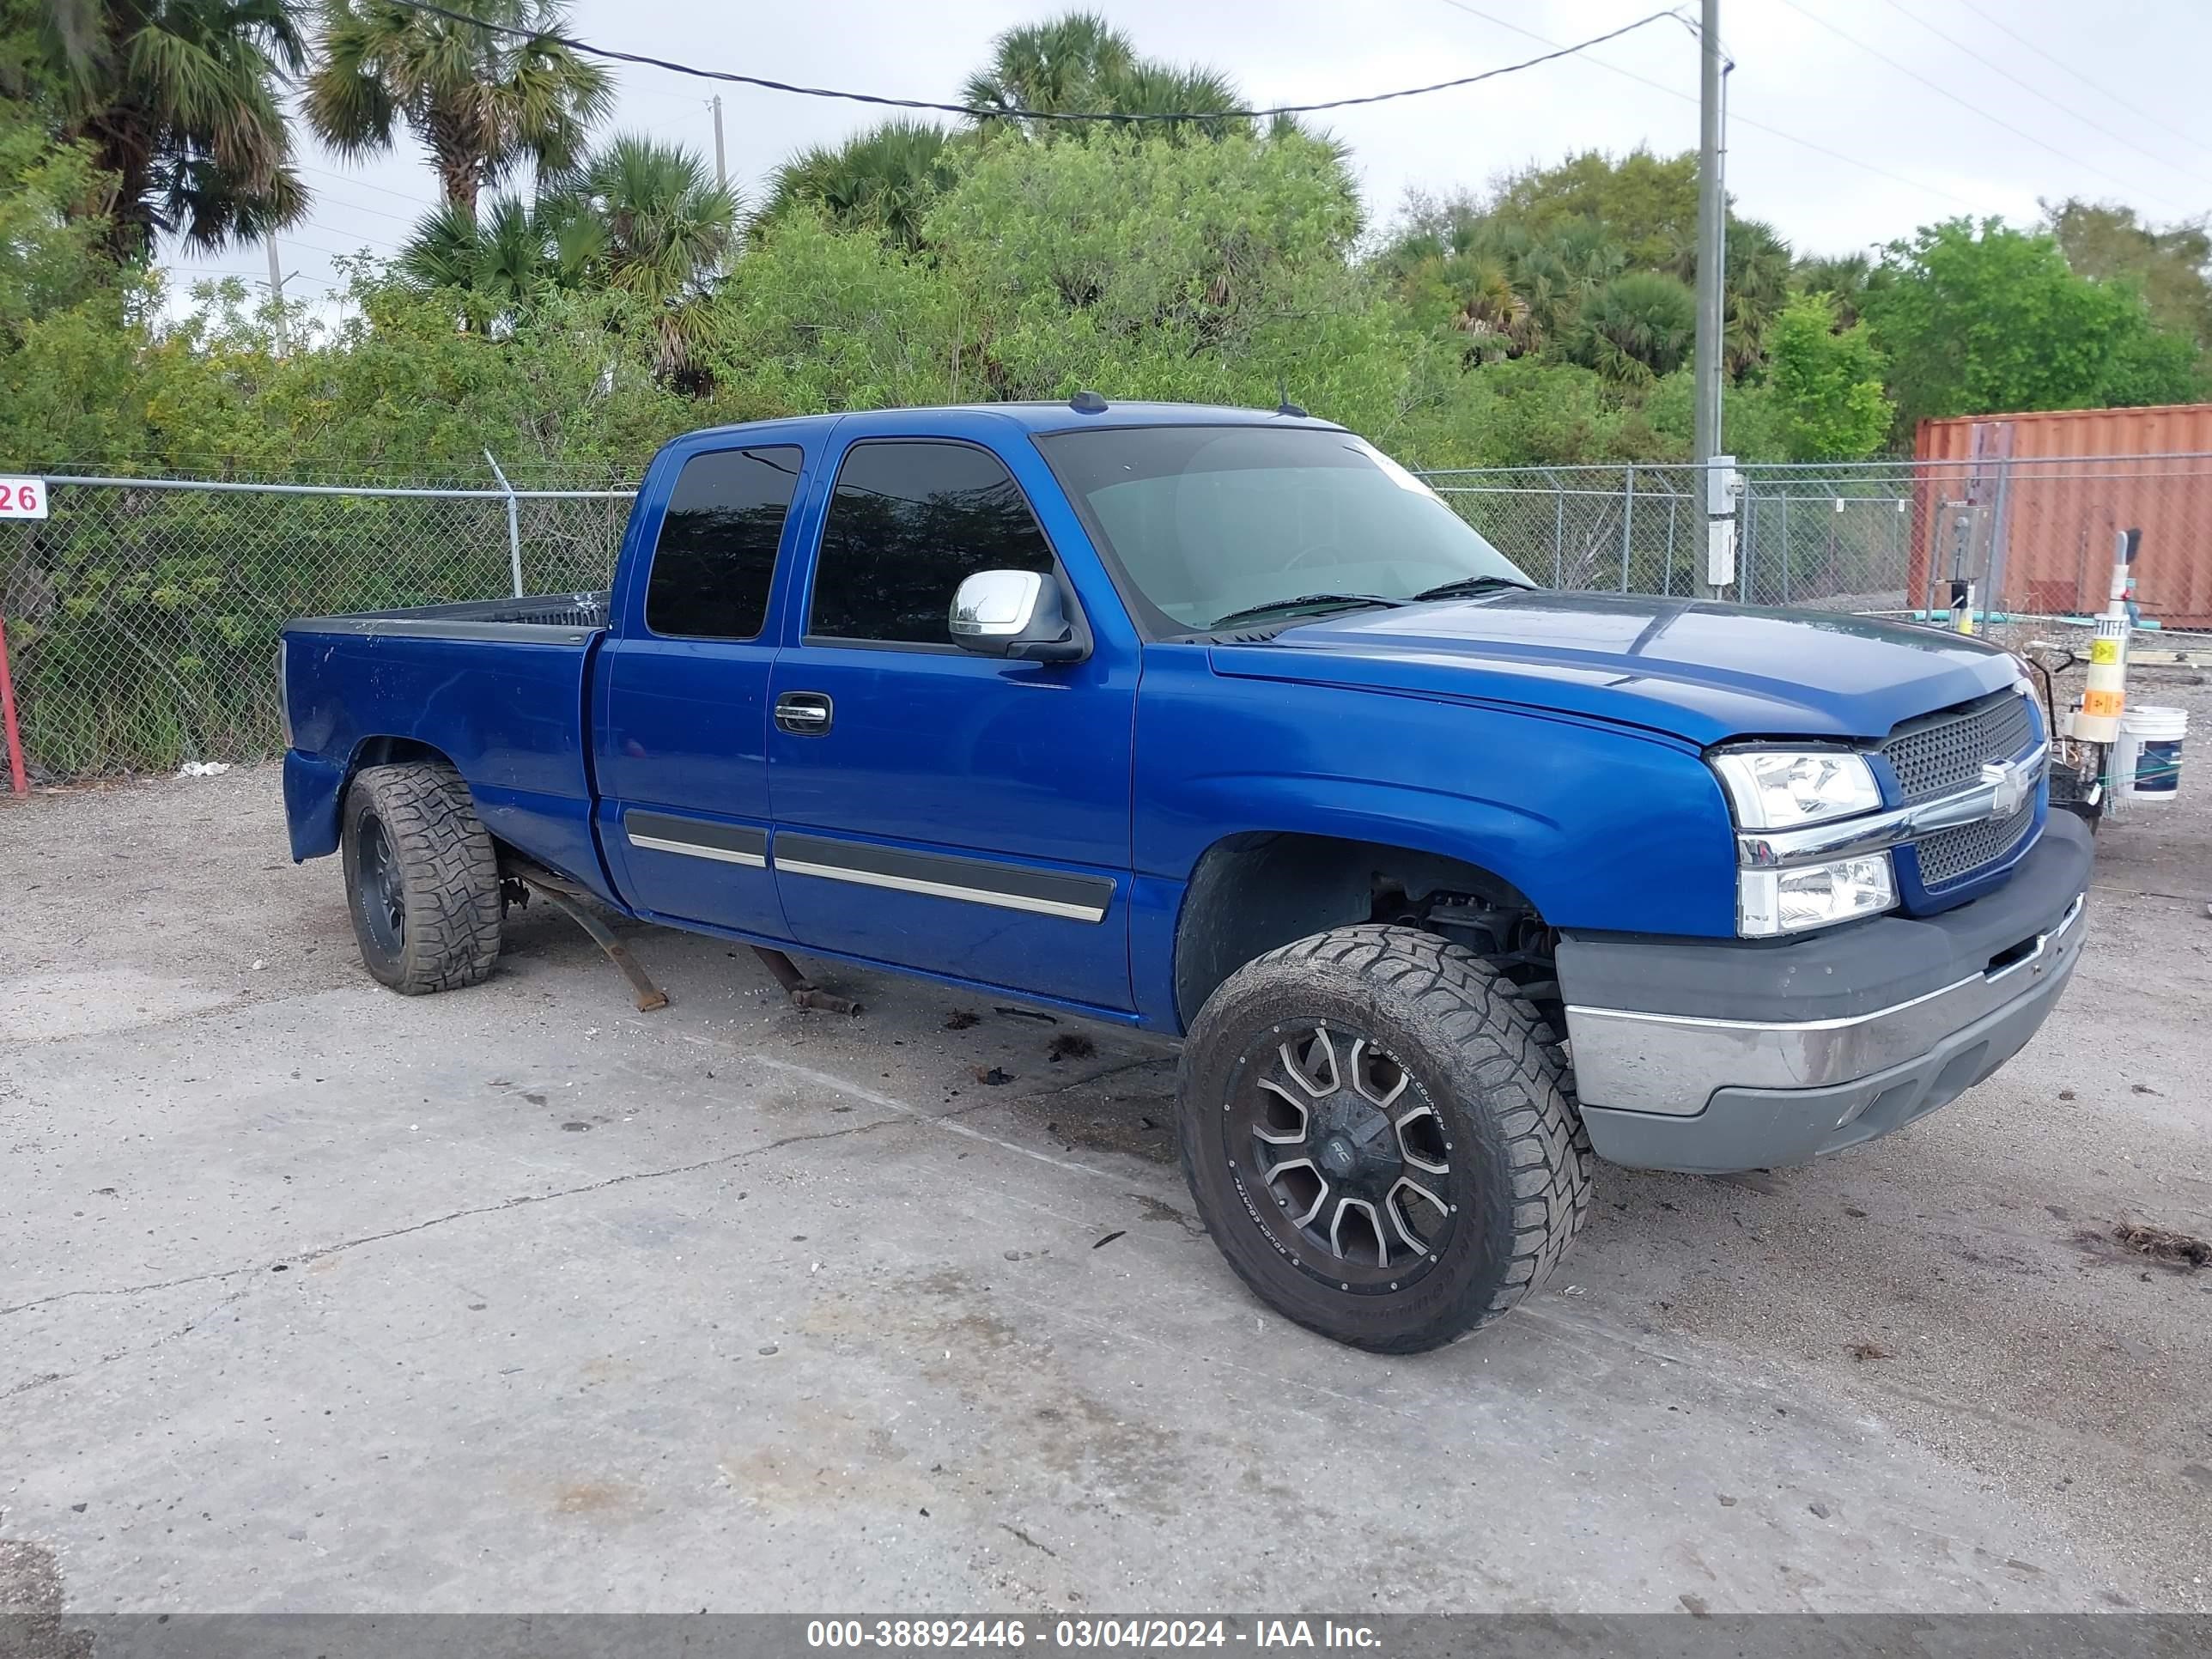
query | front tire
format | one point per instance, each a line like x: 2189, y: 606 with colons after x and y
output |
x: 1381, y: 1135
x: 421, y: 878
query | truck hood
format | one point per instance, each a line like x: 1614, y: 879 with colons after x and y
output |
x: 1693, y: 669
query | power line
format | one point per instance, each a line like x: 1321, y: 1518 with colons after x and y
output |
x: 291, y: 241
x: 1952, y: 40
x: 322, y: 196
x: 1531, y: 34
x: 1734, y: 117
x: 2003, y: 27
x: 1970, y: 108
x: 347, y: 178
x: 195, y: 273
x: 987, y: 113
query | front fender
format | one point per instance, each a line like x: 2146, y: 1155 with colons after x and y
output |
x: 1605, y: 827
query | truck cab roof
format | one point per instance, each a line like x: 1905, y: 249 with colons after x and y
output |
x: 1038, y: 418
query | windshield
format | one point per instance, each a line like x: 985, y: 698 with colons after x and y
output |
x: 1211, y: 522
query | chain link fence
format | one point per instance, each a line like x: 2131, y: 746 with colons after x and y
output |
x: 1836, y: 539
x: 142, y: 617
x: 2036, y: 535
x: 142, y: 614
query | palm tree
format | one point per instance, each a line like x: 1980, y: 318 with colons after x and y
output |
x: 481, y: 97
x: 666, y: 226
x: 1080, y: 64
x: 1635, y: 328
x: 1844, y: 276
x: 1060, y: 65
x: 178, y: 100
x: 1755, y: 286
x: 503, y: 259
x: 882, y: 180
x: 1517, y: 293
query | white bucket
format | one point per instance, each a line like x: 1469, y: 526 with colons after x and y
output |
x: 2147, y: 759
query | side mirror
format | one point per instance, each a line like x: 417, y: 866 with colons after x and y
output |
x: 1013, y: 613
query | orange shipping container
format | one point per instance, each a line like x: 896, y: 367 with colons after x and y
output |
x: 2047, y: 493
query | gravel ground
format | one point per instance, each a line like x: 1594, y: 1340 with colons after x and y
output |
x: 315, y: 1298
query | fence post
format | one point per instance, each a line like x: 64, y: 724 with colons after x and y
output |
x: 1627, y: 524
x: 1786, y: 548
x: 1666, y: 584
x: 15, y: 772
x: 514, y: 525
x: 1559, y: 529
x: 1746, y: 545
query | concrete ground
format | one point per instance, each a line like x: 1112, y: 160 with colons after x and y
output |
x: 316, y: 1297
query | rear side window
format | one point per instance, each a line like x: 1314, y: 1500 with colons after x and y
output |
x: 909, y: 522
x: 716, y: 555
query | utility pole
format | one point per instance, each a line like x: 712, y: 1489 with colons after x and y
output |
x: 276, y: 287
x: 1712, y: 260
x: 721, y: 166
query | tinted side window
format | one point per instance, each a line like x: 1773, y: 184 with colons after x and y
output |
x: 907, y: 523
x: 716, y: 555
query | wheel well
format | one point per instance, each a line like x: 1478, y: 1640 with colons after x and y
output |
x: 387, y: 751
x: 1253, y: 893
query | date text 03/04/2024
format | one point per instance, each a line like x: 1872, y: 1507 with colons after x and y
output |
x: 1091, y: 1633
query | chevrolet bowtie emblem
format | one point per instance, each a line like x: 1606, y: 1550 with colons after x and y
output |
x: 2009, y: 782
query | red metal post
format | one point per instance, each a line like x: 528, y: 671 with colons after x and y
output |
x: 16, y: 772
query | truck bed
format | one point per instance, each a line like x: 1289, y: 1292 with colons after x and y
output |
x: 491, y: 619
x: 495, y: 686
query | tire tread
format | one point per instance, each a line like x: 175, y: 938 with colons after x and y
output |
x: 449, y: 870
x: 1473, y: 1008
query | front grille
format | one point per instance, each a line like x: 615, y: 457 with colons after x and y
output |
x: 1943, y: 753
x: 1949, y: 854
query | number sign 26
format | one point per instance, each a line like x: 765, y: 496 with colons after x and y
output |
x: 22, y: 498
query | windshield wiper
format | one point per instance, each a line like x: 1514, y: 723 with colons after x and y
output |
x: 1466, y: 585
x: 1304, y: 601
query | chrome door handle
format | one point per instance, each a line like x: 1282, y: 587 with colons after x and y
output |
x: 804, y: 713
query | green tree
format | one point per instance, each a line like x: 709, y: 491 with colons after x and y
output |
x: 503, y: 259
x: 1214, y: 273
x: 665, y: 226
x: 1844, y: 277
x: 1982, y: 317
x: 814, y: 320
x: 2172, y: 267
x: 479, y: 98
x: 1079, y: 63
x: 1514, y: 293
x: 70, y: 343
x: 1635, y: 328
x: 1754, y: 287
x: 883, y: 179
x: 179, y: 100
x: 1826, y: 384
x: 1648, y: 203
x: 1751, y: 426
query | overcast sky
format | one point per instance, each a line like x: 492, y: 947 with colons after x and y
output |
x: 2045, y: 98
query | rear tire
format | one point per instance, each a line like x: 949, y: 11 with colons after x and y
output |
x: 1446, y: 1168
x: 421, y: 878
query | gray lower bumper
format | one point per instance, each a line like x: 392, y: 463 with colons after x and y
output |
x: 1769, y: 1129
x: 1689, y: 1083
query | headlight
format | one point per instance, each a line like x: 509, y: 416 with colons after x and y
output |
x: 1770, y: 902
x: 1785, y: 788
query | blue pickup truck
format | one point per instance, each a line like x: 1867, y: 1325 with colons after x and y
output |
x: 1220, y: 723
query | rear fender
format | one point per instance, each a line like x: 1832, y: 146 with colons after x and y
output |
x: 315, y: 788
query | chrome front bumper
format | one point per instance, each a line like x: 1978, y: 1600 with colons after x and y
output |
x: 1673, y: 1064
x: 1714, y: 1054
